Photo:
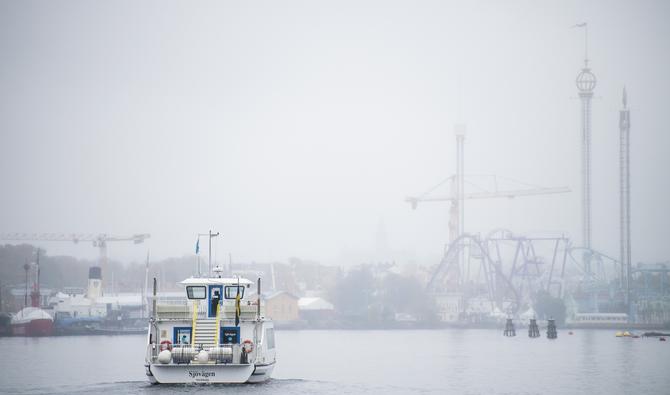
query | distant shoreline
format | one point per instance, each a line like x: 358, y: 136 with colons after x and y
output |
x: 432, y: 326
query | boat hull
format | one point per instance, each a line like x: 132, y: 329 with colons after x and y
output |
x: 39, y: 327
x: 261, y: 373
x: 196, y: 373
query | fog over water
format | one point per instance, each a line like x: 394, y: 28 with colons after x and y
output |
x: 297, y: 128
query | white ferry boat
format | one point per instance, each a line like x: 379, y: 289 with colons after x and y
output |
x: 215, y: 332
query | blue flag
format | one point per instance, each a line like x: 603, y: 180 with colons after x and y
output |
x: 197, y: 246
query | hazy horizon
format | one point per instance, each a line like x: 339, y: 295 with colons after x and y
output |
x: 298, y: 129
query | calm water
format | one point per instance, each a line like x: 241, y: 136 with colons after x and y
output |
x: 355, y: 362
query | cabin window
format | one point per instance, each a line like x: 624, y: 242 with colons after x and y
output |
x: 199, y: 292
x: 270, y: 338
x: 231, y: 291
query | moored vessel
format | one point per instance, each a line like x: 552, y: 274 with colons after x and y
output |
x: 32, y: 321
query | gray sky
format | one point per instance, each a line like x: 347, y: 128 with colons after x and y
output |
x: 297, y: 128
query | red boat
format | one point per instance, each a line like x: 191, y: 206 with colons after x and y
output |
x: 32, y: 321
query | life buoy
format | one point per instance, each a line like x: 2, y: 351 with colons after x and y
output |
x: 166, y: 345
x: 248, y: 346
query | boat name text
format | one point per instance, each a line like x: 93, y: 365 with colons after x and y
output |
x: 197, y: 374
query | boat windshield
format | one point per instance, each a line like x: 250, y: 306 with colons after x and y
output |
x: 231, y: 291
x: 196, y: 292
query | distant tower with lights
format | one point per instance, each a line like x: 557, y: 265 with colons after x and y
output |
x: 624, y: 180
x: 586, y: 83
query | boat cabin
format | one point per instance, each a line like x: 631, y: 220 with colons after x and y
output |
x: 206, y: 313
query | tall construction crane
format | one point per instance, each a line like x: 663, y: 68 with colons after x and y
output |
x: 458, y: 195
x: 455, y: 256
x: 99, y: 240
x: 455, y: 216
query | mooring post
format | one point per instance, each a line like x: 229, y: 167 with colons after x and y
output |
x: 551, y: 329
x: 533, y: 330
x: 509, y: 328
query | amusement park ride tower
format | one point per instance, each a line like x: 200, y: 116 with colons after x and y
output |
x: 586, y: 83
x: 624, y: 212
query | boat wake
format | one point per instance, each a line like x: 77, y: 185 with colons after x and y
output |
x: 272, y: 386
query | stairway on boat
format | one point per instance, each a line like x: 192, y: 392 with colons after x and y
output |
x: 205, y: 333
